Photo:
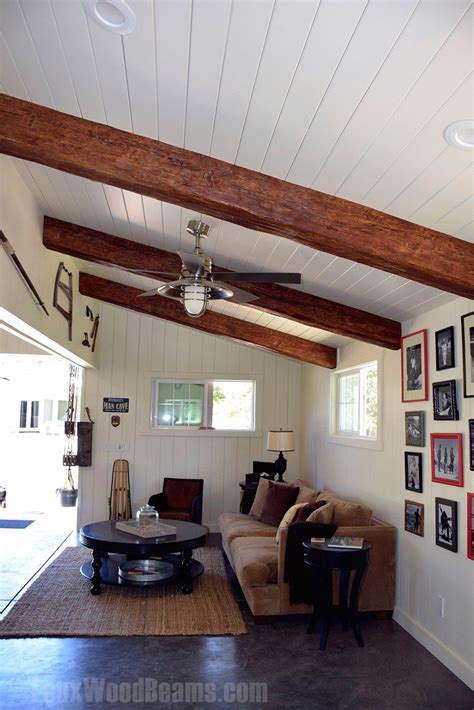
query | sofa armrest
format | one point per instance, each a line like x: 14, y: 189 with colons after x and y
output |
x: 196, y: 509
x: 158, y: 501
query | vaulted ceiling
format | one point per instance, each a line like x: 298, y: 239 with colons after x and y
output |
x: 349, y: 98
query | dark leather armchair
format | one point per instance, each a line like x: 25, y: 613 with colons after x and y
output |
x: 181, y: 499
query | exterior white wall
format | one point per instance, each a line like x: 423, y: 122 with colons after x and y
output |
x: 21, y: 220
x: 424, y: 570
x: 132, y: 348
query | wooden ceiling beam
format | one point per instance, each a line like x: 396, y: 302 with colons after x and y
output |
x: 315, y: 312
x: 251, y: 199
x: 213, y: 323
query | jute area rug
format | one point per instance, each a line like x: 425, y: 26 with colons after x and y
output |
x: 59, y: 604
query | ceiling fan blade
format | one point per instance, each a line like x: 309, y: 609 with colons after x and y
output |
x: 238, y: 293
x: 260, y: 277
x: 152, y: 292
x: 101, y: 264
x: 193, y: 262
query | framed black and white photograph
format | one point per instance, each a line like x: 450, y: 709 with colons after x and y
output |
x: 467, y: 335
x: 414, y: 367
x: 415, y: 518
x: 444, y: 401
x: 446, y: 459
x: 413, y: 472
x: 470, y: 526
x: 471, y: 444
x: 444, y: 341
x: 446, y: 516
x: 414, y: 428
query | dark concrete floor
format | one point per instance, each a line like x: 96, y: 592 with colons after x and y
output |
x: 392, y: 671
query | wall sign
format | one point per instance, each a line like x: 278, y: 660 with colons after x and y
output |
x: 115, y: 404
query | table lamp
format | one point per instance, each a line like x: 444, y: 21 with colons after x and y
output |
x: 280, y: 441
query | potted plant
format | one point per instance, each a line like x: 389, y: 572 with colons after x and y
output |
x: 68, y: 494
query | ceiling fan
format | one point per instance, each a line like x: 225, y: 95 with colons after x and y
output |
x: 198, y: 283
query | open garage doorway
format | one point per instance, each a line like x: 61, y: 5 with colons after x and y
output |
x: 33, y: 408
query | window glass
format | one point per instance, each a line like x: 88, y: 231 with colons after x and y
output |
x: 23, y: 410
x: 34, y: 415
x: 178, y: 404
x: 233, y: 405
x: 357, y: 402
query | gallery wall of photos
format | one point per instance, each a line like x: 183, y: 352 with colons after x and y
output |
x: 443, y: 453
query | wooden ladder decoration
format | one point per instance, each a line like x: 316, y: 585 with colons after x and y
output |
x: 120, y: 504
x: 66, y: 288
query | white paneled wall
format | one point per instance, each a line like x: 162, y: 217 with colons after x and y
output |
x: 134, y: 347
x: 425, y: 572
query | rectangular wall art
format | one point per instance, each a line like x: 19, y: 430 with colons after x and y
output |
x: 414, y: 367
x: 446, y: 459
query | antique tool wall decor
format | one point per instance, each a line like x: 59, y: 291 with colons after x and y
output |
x: 66, y: 288
x: 17, y: 263
x: 95, y: 328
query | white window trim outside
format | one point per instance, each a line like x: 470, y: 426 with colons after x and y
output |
x: 362, y: 442
x: 144, y: 411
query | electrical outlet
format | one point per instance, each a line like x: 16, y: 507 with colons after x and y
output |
x: 110, y: 447
x: 441, y: 606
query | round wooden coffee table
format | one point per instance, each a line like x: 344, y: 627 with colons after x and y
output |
x: 177, y: 550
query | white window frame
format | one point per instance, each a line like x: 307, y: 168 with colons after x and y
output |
x: 28, y: 427
x: 208, y: 405
x: 346, y: 438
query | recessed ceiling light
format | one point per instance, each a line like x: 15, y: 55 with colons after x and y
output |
x: 115, y: 15
x: 460, y: 134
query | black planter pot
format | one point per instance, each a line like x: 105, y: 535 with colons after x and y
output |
x: 67, y: 497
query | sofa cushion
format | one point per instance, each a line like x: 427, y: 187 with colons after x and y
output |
x: 346, y: 513
x: 261, y: 495
x: 277, y: 502
x: 291, y: 515
x: 255, y: 560
x: 234, y: 525
x: 323, y: 513
x: 306, y: 494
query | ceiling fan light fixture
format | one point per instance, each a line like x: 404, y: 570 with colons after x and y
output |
x: 114, y: 15
x: 460, y: 134
x: 195, y: 297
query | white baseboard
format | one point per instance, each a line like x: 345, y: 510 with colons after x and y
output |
x: 449, y: 658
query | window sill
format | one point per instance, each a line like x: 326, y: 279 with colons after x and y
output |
x: 356, y: 441
x: 203, y: 432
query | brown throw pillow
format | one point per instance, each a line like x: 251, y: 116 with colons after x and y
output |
x: 323, y: 514
x: 261, y: 496
x: 279, y: 499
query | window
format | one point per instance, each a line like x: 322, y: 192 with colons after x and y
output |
x: 29, y: 415
x: 206, y: 404
x: 356, y: 403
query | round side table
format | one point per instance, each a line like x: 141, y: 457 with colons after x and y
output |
x: 323, y: 560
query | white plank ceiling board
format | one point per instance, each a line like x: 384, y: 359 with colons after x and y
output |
x: 448, y: 69
x: 378, y: 29
x: 350, y: 97
x: 427, y: 27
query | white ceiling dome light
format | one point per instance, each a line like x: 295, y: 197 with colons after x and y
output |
x: 460, y: 134
x: 114, y: 15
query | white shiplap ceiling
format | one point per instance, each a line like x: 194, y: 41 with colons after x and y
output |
x: 348, y: 97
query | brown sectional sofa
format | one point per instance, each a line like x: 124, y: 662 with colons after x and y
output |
x: 259, y: 561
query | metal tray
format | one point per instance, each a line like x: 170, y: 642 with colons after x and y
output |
x: 145, y: 571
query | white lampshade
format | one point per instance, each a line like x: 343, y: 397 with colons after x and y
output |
x: 280, y: 441
x: 195, y: 299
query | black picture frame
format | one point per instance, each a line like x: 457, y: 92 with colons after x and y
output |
x: 444, y: 347
x: 415, y: 518
x: 446, y: 524
x: 467, y: 336
x: 471, y: 444
x: 444, y: 401
x: 415, y: 428
x: 413, y: 471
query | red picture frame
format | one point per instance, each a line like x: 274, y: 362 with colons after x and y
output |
x: 447, y: 459
x: 470, y: 526
x: 414, y: 366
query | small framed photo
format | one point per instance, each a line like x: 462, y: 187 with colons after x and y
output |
x: 415, y: 518
x: 446, y: 516
x: 446, y: 459
x: 467, y: 334
x: 444, y: 401
x: 470, y: 526
x: 471, y: 444
x: 414, y: 428
x: 413, y: 472
x: 444, y: 341
x: 414, y: 367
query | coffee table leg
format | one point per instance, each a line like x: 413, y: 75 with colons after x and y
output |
x: 96, y: 565
x: 186, y: 562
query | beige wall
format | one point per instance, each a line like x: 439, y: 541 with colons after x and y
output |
x: 132, y: 348
x: 21, y: 220
x: 424, y: 571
